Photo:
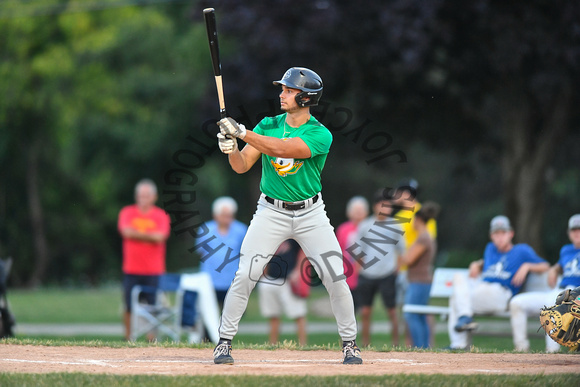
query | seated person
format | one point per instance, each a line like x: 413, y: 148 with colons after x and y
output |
x: 529, y: 304
x: 501, y: 273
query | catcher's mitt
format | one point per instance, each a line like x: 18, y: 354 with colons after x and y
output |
x: 568, y: 295
x: 562, y: 321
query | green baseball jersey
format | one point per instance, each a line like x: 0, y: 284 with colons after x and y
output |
x: 293, y: 180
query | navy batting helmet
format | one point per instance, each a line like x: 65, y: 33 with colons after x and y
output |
x: 306, y: 81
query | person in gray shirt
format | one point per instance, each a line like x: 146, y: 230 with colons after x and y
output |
x: 378, y: 245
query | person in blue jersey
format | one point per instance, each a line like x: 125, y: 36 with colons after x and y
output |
x: 492, y: 281
x: 529, y: 304
x: 219, y: 247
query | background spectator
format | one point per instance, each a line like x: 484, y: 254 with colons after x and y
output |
x: 419, y: 261
x: 219, y: 247
x: 357, y: 209
x: 406, y: 206
x: 381, y: 242
x: 275, y: 293
x: 144, y: 228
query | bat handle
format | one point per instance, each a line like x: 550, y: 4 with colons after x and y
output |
x: 223, y: 115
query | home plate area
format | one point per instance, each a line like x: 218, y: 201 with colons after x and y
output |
x: 193, y: 361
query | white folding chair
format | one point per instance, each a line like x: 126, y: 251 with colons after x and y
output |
x: 207, y: 306
x: 191, y: 322
x: 165, y: 316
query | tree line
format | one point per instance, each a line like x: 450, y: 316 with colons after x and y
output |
x: 474, y: 99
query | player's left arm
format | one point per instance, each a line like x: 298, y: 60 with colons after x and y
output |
x: 293, y: 147
x: 411, y: 256
x: 529, y: 267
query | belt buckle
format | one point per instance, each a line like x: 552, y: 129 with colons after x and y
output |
x: 293, y: 206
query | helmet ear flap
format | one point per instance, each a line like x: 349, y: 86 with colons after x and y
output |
x: 308, y: 98
x: 301, y: 99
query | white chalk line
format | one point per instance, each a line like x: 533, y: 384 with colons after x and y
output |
x: 108, y: 363
x: 102, y: 363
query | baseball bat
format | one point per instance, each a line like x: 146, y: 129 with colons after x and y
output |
x: 210, y: 24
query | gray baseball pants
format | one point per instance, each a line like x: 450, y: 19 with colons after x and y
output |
x: 311, y: 228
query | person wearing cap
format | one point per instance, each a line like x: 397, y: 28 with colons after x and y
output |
x: 529, y: 304
x: 407, y: 205
x: 492, y: 281
x: 379, y: 244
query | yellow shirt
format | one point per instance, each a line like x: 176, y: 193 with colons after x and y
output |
x: 410, y: 232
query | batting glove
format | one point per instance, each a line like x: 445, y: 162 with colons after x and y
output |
x: 227, y: 144
x: 229, y: 127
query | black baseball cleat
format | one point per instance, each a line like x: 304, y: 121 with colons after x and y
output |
x: 351, y: 353
x: 222, y: 354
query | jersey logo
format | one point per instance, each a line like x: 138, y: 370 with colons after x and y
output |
x: 497, y: 270
x: 143, y: 224
x: 286, y: 167
x: 572, y: 268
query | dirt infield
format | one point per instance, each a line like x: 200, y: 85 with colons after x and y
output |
x: 185, y: 361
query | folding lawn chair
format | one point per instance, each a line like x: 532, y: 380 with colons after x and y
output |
x: 174, y: 313
x: 6, y: 318
x: 163, y: 317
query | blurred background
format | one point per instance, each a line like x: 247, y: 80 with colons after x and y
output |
x: 477, y: 100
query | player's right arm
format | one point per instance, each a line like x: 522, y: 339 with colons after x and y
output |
x: 242, y: 161
x: 553, y: 274
x: 475, y: 268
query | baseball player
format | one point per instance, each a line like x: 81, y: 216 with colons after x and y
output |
x: 529, y: 304
x: 501, y: 274
x: 293, y: 147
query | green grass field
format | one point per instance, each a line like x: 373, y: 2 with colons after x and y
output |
x: 59, y: 305
x: 78, y: 379
x: 68, y: 306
